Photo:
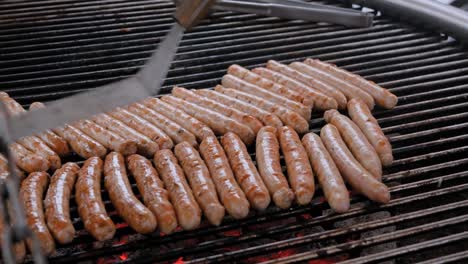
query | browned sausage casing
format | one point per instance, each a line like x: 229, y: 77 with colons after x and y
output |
x: 88, y: 198
x: 229, y: 192
x: 4, y: 172
x: 145, y: 145
x: 37, y: 146
x: 382, y: 96
x: 269, y: 167
x: 327, y: 173
x: 305, y: 79
x: 245, y: 171
x: 363, y: 117
x: 107, y: 138
x: 269, y: 85
x: 128, y: 206
x: 287, y: 116
x: 198, y: 128
x: 233, y: 113
x: 58, y: 144
x: 356, y: 141
x: 32, y: 193
x: 266, y: 117
x: 200, y: 180
x: 145, y: 124
x: 187, y: 209
x: 32, y: 143
x: 358, y: 177
x: 231, y: 81
x: 300, y: 173
x: 82, y: 144
x: 220, y: 124
x: 138, y: 113
x: 348, y: 89
x: 28, y: 161
x: 156, y: 198
x: 57, y: 203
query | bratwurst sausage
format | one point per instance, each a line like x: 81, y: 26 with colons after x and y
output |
x: 187, y: 209
x: 229, y: 192
x: 200, y: 180
x: 156, y: 198
x: 128, y: 206
x: 269, y: 167
x: 327, y: 173
x: 88, y: 198
x: 357, y: 176
x: 57, y: 203
x: 31, y: 193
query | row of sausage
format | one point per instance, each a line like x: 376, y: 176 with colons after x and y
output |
x: 219, y: 177
x: 276, y: 95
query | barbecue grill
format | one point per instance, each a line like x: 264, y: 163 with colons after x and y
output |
x: 50, y: 49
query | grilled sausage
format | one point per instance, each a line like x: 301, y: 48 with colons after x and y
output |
x: 245, y: 171
x: 127, y: 205
x: 230, y: 81
x: 356, y: 141
x: 287, y: 116
x: 187, y: 209
x: 233, y: 113
x: 58, y: 144
x: 357, y: 176
x: 269, y: 167
x: 327, y: 173
x: 267, y: 118
x: 107, y: 138
x: 300, y: 173
x: 28, y: 161
x: 349, y: 90
x: 269, y: 85
x: 229, y: 192
x: 4, y: 171
x: 199, y: 178
x: 312, y: 83
x: 82, y: 144
x: 195, y: 126
x: 88, y: 198
x: 155, y: 197
x: 220, y: 124
x: 31, y: 193
x: 146, y: 122
x: 381, y: 96
x: 145, y: 145
x: 57, y: 203
x: 37, y: 146
x: 32, y: 143
x: 13, y: 107
x: 362, y: 116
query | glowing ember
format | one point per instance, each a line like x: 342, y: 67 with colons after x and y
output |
x: 283, y: 253
x: 123, y: 256
x: 122, y: 241
x: 179, y: 261
x: 233, y: 233
x: 121, y: 225
x: 306, y: 216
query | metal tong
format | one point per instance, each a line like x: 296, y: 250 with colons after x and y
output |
x: 294, y: 9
